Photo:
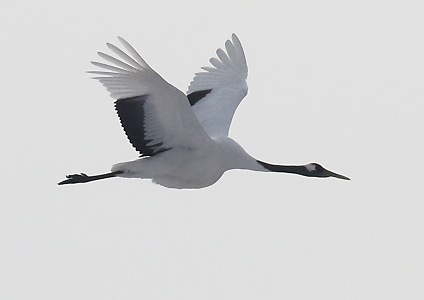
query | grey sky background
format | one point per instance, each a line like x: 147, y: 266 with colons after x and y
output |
x: 334, y: 82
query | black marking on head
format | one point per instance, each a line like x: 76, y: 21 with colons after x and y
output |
x: 131, y: 114
x: 194, y: 97
x: 318, y: 171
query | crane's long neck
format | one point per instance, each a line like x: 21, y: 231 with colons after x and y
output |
x: 301, y: 170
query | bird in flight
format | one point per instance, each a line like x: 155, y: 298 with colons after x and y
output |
x: 182, y: 139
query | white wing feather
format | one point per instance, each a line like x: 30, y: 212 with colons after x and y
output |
x: 168, y: 117
x: 227, y: 79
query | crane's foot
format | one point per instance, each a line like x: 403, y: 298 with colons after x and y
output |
x: 75, y: 178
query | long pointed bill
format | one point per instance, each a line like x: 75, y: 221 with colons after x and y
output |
x: 332, y: 174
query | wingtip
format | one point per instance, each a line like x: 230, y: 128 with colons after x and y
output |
x: 127, y: 45
x: 110, y: 46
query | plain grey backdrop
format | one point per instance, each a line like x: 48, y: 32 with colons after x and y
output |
x: 334, y: 82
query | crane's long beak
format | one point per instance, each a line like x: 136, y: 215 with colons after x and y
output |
x: 332, y: 174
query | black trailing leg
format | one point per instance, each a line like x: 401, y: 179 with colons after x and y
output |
x: 82, y: 178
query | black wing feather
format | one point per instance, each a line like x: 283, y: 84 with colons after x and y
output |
x: 131, y: 113
x: 194, y: 97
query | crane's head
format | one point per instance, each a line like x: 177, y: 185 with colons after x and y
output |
x: 316, y: 170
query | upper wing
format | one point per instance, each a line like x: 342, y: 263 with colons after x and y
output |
x: 154, y: 114
x: 216, y: 93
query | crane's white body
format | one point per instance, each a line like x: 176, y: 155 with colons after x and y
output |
x: 195, y: 149
x: 191, y: 168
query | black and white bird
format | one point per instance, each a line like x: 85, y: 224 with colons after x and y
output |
x: 182, y: 139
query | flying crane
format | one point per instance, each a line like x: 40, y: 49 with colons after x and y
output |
x: 182, y: 139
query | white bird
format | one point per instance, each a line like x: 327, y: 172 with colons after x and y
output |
x: 182, y: 139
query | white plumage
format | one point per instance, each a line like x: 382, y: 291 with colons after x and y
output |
x: 183, y: 140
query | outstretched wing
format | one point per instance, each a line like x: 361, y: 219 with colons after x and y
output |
x: 154, y: 114
x: 216, y: 93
